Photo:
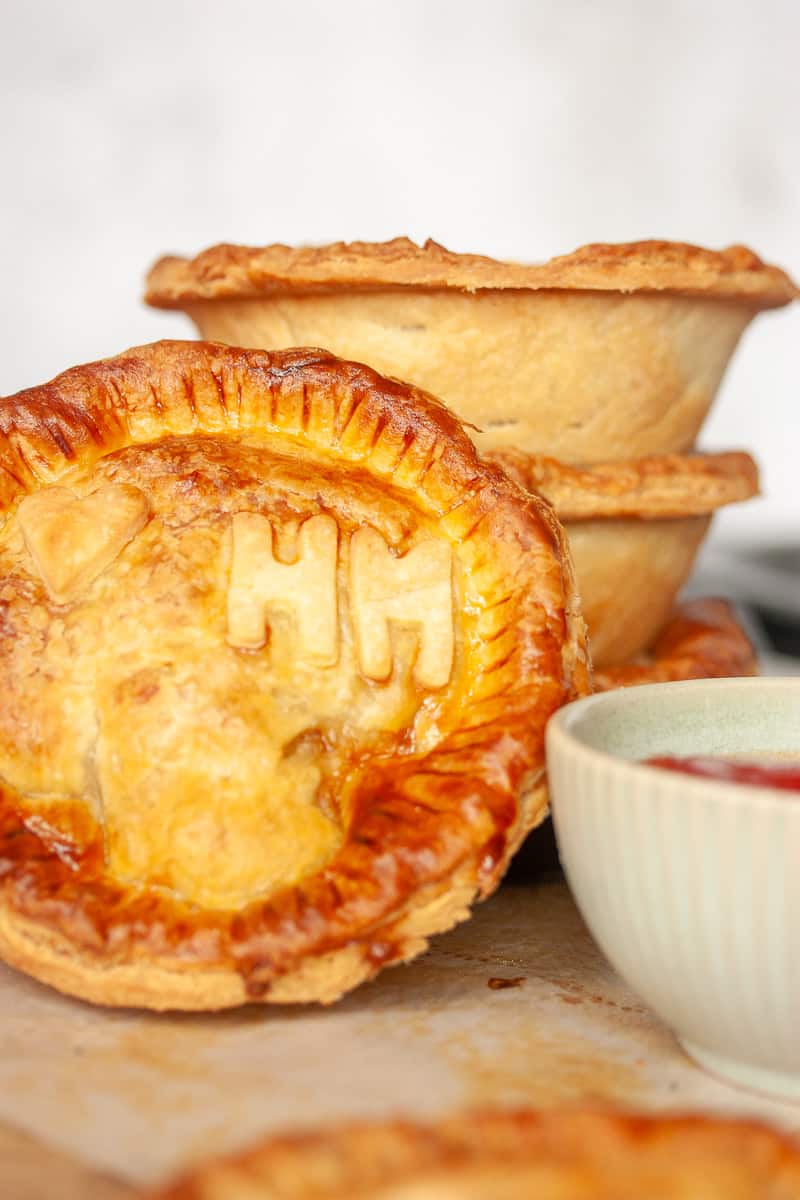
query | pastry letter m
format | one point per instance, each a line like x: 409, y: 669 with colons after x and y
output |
x: 413, y: 591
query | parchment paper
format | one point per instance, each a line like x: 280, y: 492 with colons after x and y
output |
x: 140, y: 1095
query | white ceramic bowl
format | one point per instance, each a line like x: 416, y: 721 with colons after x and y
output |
x: 690, y: 886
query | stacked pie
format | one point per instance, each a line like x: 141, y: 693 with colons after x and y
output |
x: 280, y: 634
x: 587, y: 378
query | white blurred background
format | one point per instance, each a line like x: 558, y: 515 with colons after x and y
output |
x: 508, y: 128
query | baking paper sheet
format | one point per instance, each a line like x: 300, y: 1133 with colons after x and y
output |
x: 140, y: 1095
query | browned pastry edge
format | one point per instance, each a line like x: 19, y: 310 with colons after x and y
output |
x: 661, y: 487
x: 429, y: 832
x: 702, y: 640
x: 602, y: 1154
x: 648, y: 266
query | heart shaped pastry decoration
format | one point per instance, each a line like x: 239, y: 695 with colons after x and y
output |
x: 72, y: 540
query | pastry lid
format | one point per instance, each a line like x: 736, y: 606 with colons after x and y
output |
x: 231, y: 271
x: 281, y: 650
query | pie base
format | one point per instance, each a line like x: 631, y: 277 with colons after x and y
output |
x: 629, y: 573
x: 581, y: 376
x: 634, y: 529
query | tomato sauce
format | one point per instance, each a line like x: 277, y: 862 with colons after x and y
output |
x: 785, y: 776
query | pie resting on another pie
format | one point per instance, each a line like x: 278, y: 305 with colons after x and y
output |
x: 611, y: 352
x: 277, y: 652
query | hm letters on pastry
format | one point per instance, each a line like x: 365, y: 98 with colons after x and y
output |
x: 414, y: 591
x: 73, y: 540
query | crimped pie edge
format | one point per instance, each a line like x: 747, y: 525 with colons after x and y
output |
x: 233, y: 271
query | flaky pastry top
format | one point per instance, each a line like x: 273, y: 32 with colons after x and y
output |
x: 735, y: 273
x: 278, y: 651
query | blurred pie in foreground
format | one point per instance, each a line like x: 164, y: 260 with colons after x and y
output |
x: 568, y: 1155
x: 613, y: 351
x: 277, y: 653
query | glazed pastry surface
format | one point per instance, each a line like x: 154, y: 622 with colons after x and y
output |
x: 191, y: 751
x: 278, y: 676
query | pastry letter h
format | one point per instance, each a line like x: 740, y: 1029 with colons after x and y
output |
x: 413, y: 591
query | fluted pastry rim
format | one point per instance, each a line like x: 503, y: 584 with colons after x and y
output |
x: 228, y: 270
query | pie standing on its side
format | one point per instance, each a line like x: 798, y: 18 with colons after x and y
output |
x: 278, y: 651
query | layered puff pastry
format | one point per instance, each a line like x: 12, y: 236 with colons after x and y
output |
x: 611, y: 352
x: 634, y: 529
x: 525, y: 1155
x: 277, y: 653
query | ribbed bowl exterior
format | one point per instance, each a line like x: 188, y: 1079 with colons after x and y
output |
x: 692, y: 890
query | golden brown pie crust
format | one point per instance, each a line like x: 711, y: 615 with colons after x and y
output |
x: 648, y: 266
x: 525, y: 1155
x: 613, y: 352
x: 702, y: 640
x: 433, y: 810
x: 660, y: 487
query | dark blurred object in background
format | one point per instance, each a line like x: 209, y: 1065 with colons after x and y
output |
x: 535, y: 857
x: 764, y: 582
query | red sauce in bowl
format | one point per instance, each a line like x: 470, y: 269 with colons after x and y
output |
x: 785, y: 776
